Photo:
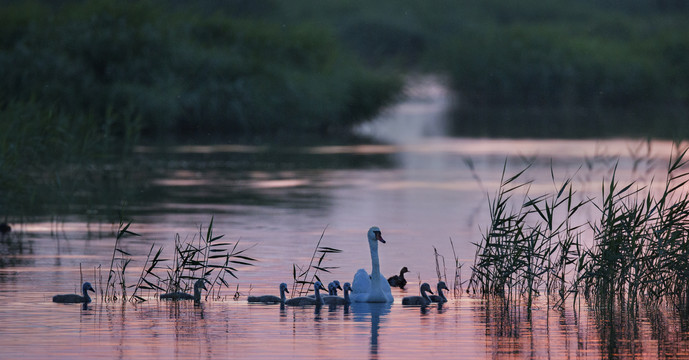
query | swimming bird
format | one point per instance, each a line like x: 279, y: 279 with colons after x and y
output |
x: 74, y: 298
x: 440, y: 298
x: 374, y: 287
x: 270, y: 299
x: 305, y: 300
x: 399, y: 280
x: 5, y: 228
x: 178, y: 295
x: 422, y: 300
x: 332, y: 288
x: 336, y: 300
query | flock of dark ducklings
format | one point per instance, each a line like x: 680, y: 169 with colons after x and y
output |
x: 317, y: 299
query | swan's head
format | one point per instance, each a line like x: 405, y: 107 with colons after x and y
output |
x: 318, y: 286
x: 374, y: 235
x: 87, y: 286
x: 283, y: 287
x: 404, y: 270
x: 200, y: 284
x: 441, y: 285
x: 347, y: 287
x: 425, y: 287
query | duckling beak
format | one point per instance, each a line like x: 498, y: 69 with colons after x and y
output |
x: 379, y: 237
x: 339, y: 287
x: 91, y: 288
x: 321, y: 287
x: 287, y: 291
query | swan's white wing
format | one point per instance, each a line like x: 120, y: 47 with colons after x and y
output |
x: 360, y: 286
x: 386, y: 288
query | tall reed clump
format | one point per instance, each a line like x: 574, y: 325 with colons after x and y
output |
x: 204, y: 257
x: 304, y: 276
x: 118, y: 266
x: 641, y: 243
x: 207, y: 258
x: 528, y: 248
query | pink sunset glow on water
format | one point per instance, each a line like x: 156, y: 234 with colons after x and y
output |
x: 425, y: 191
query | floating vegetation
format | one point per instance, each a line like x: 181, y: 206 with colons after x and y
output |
x: 638, y: 248
x: 304, y: 277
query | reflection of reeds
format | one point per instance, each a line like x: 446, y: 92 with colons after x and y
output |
x: 303, y: 276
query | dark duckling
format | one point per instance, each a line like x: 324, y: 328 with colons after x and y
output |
x: 5, y: 229
x: 305, y: 300
x: 440, y: 298
x: 399, y: 280
x: 336, y: 300
x: 270, y: 299
x: 422, y: 300
x: 74, y: 298
x: 178, y: 295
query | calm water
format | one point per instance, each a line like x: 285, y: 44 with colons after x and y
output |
x: 420, y: 187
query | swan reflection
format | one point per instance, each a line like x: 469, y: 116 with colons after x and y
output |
x: 373, y: 313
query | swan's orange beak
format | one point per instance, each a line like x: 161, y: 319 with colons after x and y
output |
x: 379, y: 237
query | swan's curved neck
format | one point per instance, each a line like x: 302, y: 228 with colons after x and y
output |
x: 282, y: 294
x: 425, y: 296
x: 346, y: 295
x: 375, y: 262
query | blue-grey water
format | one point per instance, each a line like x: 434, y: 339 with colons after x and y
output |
x: 424, y: 190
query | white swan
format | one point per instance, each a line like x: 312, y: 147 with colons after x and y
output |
x: 336, y: 300
x: 74, y: 298
x: 178, y: 295
x: 270, y: 299
x: 374, y: 287
x: 440, y: 298
x: 422, y: 300
x: 305, y: 300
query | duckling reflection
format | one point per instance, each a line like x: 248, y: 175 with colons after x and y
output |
x: 373, y: 312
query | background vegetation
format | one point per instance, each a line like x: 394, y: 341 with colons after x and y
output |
x: 84, y: 81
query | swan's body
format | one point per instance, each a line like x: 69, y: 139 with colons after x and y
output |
x: 336, y: 300
x: 270, y: 299
x: 422, y: 300
x: 374, y: 287
x: 74, y: 298
x: 305, y: 300
x: 440, y: 298
x: 398, y: 280
x: 178, y: 295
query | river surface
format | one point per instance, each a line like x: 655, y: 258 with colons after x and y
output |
x: 426, y: 191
